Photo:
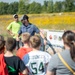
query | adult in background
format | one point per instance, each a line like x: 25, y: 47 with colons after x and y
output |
x: 68, y: 55
x: 14, y: 27
x: 30, y: 28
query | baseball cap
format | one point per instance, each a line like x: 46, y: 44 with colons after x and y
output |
x: 24, y: 17
x: 15, y: 16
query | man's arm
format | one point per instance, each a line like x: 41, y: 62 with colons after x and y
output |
x: 17, y: 38
x: 42, y: 35
x: 9, y: 28
x: 10, y: 32
x: 19, y: 33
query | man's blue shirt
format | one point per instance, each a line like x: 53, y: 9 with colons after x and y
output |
x: 32, y: 29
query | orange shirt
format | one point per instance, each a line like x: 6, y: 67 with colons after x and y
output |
x: 23, y: 51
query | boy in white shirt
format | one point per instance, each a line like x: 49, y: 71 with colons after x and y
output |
x: 36, y: 60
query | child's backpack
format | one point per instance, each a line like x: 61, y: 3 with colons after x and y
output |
x: 3, y: 67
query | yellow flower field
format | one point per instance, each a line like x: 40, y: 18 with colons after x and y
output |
x: 56, y: 21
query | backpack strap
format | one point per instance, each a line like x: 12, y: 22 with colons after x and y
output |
x: 64, y: 62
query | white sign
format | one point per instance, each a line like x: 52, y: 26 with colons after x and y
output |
x: 55, y: 38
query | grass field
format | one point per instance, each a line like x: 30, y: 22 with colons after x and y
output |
x: 55, y: 21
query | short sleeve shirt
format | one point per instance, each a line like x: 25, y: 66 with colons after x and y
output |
x: 14, y: 27
x: 37, y: 60
x: 56, y: 65
x: 32, y: 29
x: 14, y: 65
x: 23, y: 51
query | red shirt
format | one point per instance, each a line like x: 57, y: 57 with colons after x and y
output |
x: 3, y: 68
x: 23, y: 51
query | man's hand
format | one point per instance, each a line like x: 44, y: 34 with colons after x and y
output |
x: 45, y: 41
x: 12, y: 34
x: 17, y: 39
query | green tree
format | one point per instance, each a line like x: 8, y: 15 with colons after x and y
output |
x: 58, y: 6
x: 69, y: 5
x: 34, y: 7
x: 13, y: 8
x: 50, y: 6
x: 44, y: 7
x: 23, y: 6
x: 3, y: 8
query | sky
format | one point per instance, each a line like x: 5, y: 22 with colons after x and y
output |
x: 40, y: 1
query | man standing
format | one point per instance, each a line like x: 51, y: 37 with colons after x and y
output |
x: 30, y: 28
x: 14, y: 27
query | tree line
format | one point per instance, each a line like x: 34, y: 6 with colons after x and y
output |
x: 25, y: 7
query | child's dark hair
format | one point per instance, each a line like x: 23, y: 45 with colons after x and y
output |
x: 2, y: 42
x: 10, y: 44
x: 69, y: 39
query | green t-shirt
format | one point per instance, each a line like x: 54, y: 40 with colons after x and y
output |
x: 14, y: 27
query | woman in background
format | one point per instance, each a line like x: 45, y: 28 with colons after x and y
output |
x: 56, y: 65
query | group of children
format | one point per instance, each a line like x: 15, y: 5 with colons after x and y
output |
x: 13, y: 63
x: 28, y: 60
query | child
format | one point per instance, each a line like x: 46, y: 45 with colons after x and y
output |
x: 3, y: 68
x: 26, y: 48
x: 36, y: 60
x: 14, y: 63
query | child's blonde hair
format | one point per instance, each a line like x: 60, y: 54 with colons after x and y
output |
x: 25, y: 37
x: 35, y: 41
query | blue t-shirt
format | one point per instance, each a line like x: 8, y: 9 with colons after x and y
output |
x: 32, y: 29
